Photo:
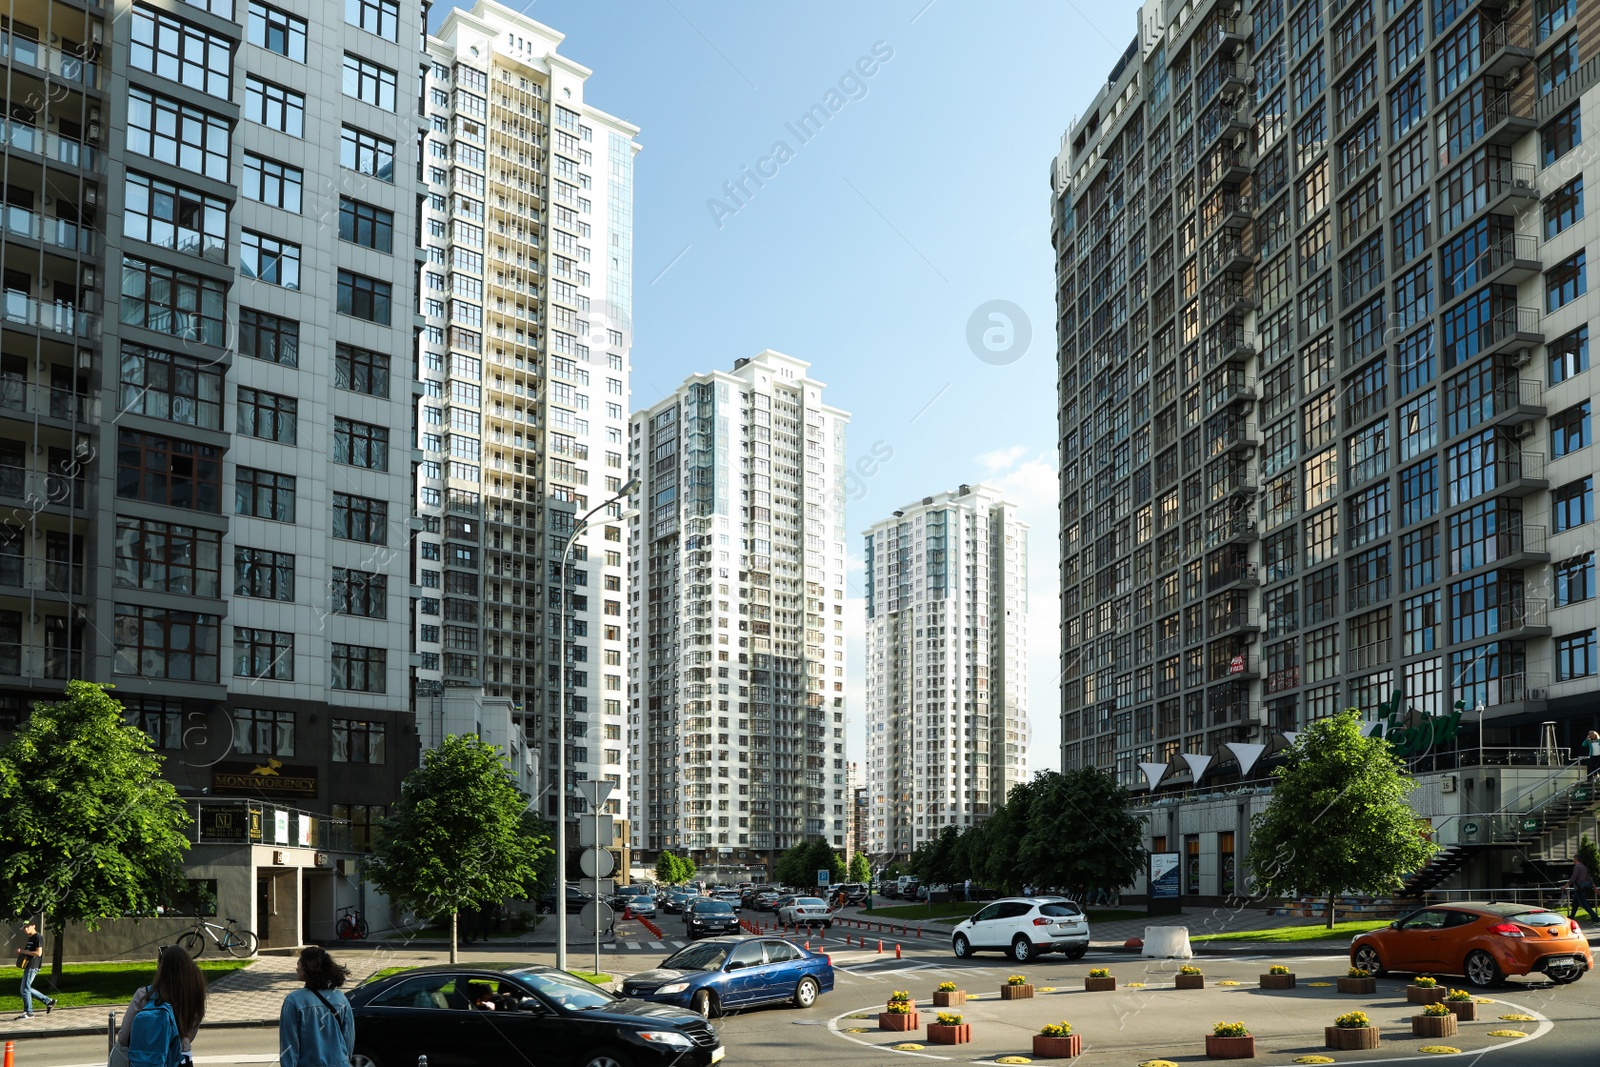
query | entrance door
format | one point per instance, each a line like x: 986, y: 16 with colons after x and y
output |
x: 264, y: 907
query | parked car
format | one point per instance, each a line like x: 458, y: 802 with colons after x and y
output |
x: 677, y: 902
x: 571, y: 1022
x: 711, y: 917
x: 729, y: 897
x: 1025, y: 927
x: 712, y: 976
x: 806, y: 911
x: 1483, y: 942
x: 767, y: 900
x: 643, y: 907
x: 576, y: 899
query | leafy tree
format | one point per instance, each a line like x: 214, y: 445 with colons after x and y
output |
x: 1004, y: 833
x: 685, y: 868
x: 798, y: 866
x: 787, y: 870
x: 460, y: 837
x: 1589, y: 854
x: 88, y: 827
x: 1338, y: 818
x: 860, y: 868
x: 892, y: 871
x: 935, y: 860
x: 1080, y: 835
x: 667, y: 868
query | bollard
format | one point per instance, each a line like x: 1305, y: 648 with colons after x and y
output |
x: 422, y: 1061
x: 880, y: 946
x: 897, y: 950
x: 808, y: 944
x: 11, y: 1053
x: 919, y: 932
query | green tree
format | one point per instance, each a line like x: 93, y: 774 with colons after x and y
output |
x: 1080, y: 835
x: 935, y: 860
x: 1004, y: 833
x: 1589, y: 855
x: 88, y: 827
x: 1338, y: 818
x: 684, y: 868
x: 860, y: 868
x: 460, y: 837
x: 667, y: 868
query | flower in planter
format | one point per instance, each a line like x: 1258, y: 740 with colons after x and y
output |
x: 946, y: 987
x: 1230, y: 1030
x: 1436, y: 1009
x: 1422, y: 982
x: 1055, y: 1030
x: 1459, y: 995
x: 949, y: 1018
x: 1353, y: 1020
x: 900, y: 996
x: 899, y: 1007
x: 1099, y: 972
x: 1016, y: 979
x: 1277, y: 968
x: 1357, y: 972
x: 1186, y: 969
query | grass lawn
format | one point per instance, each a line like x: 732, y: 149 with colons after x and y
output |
x: 1307, y: 932
x: 597, y: 979
x: 88, y: 984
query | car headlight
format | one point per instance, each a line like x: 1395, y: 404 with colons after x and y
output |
x: 675, y: 987
x: 669, y: 1038
x: 697, y: 921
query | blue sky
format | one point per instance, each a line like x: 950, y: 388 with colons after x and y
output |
x: 924, y: 196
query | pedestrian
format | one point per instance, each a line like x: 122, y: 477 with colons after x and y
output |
x: 316, y: 1027
x: 178, y: 986
x: 1591, y: 752
x: 966, y: 890
x: 30, y: 957
x: 1582, y: 885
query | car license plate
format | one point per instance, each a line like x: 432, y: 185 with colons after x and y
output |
x: 717, y: 1054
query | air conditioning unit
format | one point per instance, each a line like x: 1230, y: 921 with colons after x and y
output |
x: 1536, y: 694
x: 1447, y: 784
x: 1514, y: 78
x: 1522, y: 183
x: 1523, y: 358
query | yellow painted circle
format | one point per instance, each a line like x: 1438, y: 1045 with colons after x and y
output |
x: 1313, y: 1059
x: 1442, y: 1050
x: 1227, y: 983
x: 1136, y: 985
x: 1043, y: 989
x: 1507, y: 1033
x: 1517, y: 1018
x: 1483, y: 1000
x: 1012, y: 1059
x: 1158, y: 1063
x: 908, y: 1046
x: 1320, y: 985
x: 855, y: 1029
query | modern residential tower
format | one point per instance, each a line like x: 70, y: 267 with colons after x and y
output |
x: 947, y: 662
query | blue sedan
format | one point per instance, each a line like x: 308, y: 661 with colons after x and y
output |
x: 724, y: 973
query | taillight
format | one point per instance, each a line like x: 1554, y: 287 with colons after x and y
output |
x: 1041, y: 922
x: 1577, y: 931
x: 1506, y: 930
x: 829, y: 958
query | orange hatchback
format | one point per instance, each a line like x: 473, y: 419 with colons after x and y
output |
x: 1483, y: 942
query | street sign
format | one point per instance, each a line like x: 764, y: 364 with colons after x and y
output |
x: 599, y: 888
x: 597, y: 862
x: 586, y: 830
x: 822, y: 877
x: 596, y: 918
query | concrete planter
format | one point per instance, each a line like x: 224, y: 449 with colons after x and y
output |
x: 1465, y: 1011
x: 1433, y: 1025
x: 1425, y: 995
x: 949, y: 999
x: 959, y: 1034
x: 1230, y: 1048
x: 892, y: 1020
x: 1277, y: 981
x: 1366, y: 986
x: 1350, y: 1038
x: 1190, y: 981
x: 1100, y: 985
x: 1016, y: 992
x: 1057, y: 1048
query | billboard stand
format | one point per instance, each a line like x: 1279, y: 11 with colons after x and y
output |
x: 1163, y: 881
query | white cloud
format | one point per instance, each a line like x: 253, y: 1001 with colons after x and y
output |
x: 1001, y: 458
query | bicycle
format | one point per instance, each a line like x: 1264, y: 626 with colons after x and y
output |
x: 232, y: 940
x: 351, y: 926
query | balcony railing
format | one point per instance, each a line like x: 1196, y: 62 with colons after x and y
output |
x: 56, y: 316
x: 64, y: 65
x: 52, y: 231
x: 26, y: 138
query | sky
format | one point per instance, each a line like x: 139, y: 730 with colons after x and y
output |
x: 902, y: 247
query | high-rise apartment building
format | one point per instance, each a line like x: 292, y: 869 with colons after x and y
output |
x: 947, y: 662
x: 1324, y: 374
x: 526, y: 324
x: 737, y: 657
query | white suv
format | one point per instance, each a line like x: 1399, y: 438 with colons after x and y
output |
x: 1025, y: 927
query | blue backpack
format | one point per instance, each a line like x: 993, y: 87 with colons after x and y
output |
x: 153, y: 1038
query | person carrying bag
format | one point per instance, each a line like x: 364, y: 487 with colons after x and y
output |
x: 163, y: 1017
x: 317, y: 1027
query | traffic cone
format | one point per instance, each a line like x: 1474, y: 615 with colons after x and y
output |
x: 897, y: 950
x: 808, y: 944
x: 11, y: 1054
x: 919, y: 933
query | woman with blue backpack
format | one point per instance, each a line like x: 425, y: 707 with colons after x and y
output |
x: 164, y: 1016
x: 316, y: 1027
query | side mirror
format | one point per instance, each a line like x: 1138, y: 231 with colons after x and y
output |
x: 1395, y: 925
x: 530, y: 1004
x: 736, y: 965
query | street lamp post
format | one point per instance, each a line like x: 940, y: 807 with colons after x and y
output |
x: 578, y: 529
x: 1480, y: 733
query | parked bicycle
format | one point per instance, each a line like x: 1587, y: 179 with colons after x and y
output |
x: 351, y: 926
x: 229, y: 938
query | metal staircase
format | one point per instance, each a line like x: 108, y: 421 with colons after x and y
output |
x: 1442, y: 865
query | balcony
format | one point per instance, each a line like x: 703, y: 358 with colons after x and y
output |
x: 41, y: 489
x: 1521, y: 616
x: 1514, y: 182
x: 1514, y: 257
x: 1237, y: 435
x: 57, y: 233
x: 1518, y: 401
x: 18, y: 394
x: 1231, y: 530
x: 19, y: 309
x: 1226, y: 36
x: 1503, y: 48
x: 1516, y: 547
x: 22, y: 137
x: 1235, y: 574
x: 66, y: 66
x: 1230, y: 298
x: 35, y: 575
x: 1235, y: 621
x: 1241, y: 667
x: 1519, y: 474
x: 1504, y: 123
x: 1510, y: 329
x: 1366, y: 657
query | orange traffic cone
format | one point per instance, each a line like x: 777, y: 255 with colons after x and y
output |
x: 897, y: 950
x: 919, y: 931
x: 11, y: 1054
x: 880, y: 945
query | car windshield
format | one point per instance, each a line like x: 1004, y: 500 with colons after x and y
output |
x: 569, y: 991
x: 706, y: 956
x: 808, y: 900
x: 713, y: 907
x: 1060, y: 910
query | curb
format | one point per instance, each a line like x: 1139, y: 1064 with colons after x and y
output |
x: 91, y: 1031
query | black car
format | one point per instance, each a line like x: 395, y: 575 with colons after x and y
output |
x: 466, y: 1016
x: 576, y: 899
x: 711, y: 917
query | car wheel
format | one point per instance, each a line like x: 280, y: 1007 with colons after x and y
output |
x: 961, y: 947
x: 1076, y: 953
x: 1022, y: 950
x: 362, y: 1058
x: 704, y: 1004
x: 805, y: 994
x: 1366, y: 957
x: 547, y: 909
x: 1481, y: 970
x: 605, y: 1057
x: 1564, y: 975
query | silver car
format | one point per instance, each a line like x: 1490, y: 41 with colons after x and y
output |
x: 1025, y: 927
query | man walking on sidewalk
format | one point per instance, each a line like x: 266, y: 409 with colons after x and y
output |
x: 30, y: 957
x: 1582, y: 885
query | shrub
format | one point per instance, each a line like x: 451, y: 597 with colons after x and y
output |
x: 1357, y: 972
x: 1099, y: 972
x: 1055, y: 1030
x: 1436, y: 1009
x: 1186, y: 969
x: 1277, y: 968
x: 1422, y: 982
x: 1353, y: 1020
x: 900, y: 996
x: 1016, y: 979
x: 1231, y: 1030
x: 1458, y: 994
x: 949, y: 1018
x: 947, y: 987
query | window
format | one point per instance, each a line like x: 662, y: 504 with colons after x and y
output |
x: 161, y: 643
x: 1565, y: 282
x: 168, y: 558
x: 263, y: 494
x: 162, y: 720
x: 165, y: 385
x: 1419, y: 557
x: 165, y: 470
x: 181, y: 52
x: 260, y: 573
x: 366, y: 823
x: 263, y: 654
x: 381, y: 17
x: 1568, y: 355
x: 268, y: 259
x: 268, y: 416
x: 358, y: 518
x: 366, y: 153
x: 1557, y: 64
x: 186, y: 137
x: 364, y: 298
x: 1575, y: 656
x: 1575, y: 580
x: 366, y: 225
x: 171, y: 216
x: 270, y: 181
x: 1551, y: 15
x: 1419, y: 491
x: 274, y: 107
x: 369, y: 82
x: 361, y: 370
x: 360, y: 444
x: 360, y: 593
x: 268, y: 337
x: 276, y: 31
x: 355, y: 741
x: 1569, y: 430
x: 1560, y: 135
x: 1573, y: 504
x: 263, y: 733
x: 173, y: 302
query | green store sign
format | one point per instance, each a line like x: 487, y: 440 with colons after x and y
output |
x: 1416, y: 738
